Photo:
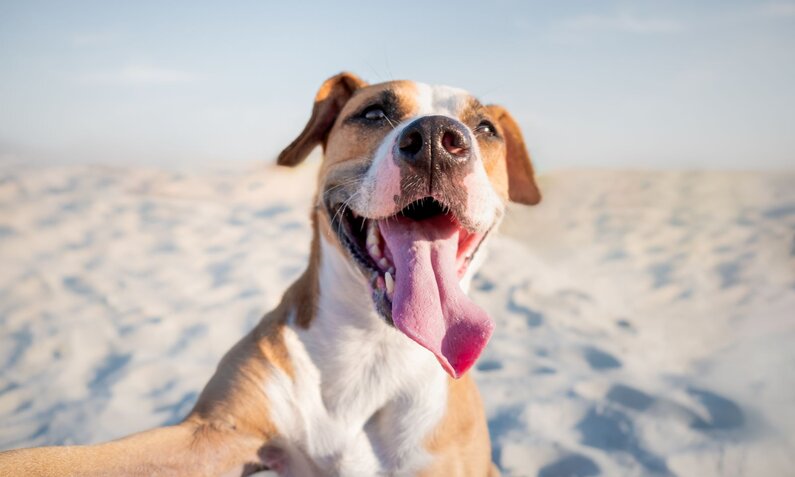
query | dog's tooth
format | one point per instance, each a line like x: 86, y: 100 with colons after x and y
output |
x: 373, y: 241
x: 390, y: 283
x: 372, y: 233
x: 383, y: 263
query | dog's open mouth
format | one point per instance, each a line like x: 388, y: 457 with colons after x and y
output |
x: 415, y: 260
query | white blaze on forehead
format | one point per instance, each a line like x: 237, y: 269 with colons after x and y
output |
x: 443, y: 100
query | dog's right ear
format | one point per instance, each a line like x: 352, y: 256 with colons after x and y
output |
x: 330, y: 98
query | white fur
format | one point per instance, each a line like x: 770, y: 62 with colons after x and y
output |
x: 365, y: 396
x: 444, y: 100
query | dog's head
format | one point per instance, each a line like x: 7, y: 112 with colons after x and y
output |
x: 414, y: 178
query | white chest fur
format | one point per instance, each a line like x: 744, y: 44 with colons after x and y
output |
x: 364, y: 396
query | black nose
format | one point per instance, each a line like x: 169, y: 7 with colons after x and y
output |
x: 434, y: 142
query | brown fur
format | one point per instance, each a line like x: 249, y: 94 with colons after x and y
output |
x: 522, y: 187
x: 303, y: 293
x: 460, y: 443
x: 329, y: 100
x: 187, y: 449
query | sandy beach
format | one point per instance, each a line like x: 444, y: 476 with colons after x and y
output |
x: 645, y: 320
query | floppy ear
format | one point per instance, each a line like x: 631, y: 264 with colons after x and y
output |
x: 522, y: 185
x: 330, y: 98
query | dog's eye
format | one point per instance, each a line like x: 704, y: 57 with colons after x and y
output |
x: 486, y: 127
x: 374, y: 113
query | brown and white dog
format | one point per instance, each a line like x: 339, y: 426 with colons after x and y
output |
x: 344, y: 377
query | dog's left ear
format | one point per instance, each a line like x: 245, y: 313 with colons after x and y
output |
x: 329, y: 100
x: 522, y: 185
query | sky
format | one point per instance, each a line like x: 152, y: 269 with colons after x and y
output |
x: 191, y: 84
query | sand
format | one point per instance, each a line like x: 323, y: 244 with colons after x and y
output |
x: 645, y: 320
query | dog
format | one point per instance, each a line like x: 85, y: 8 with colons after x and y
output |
x: 361, y: 368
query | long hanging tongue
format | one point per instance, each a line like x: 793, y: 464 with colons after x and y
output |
x: 428, y: 304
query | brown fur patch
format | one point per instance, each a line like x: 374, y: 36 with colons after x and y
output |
x: 352, y: 142
x: 460, y: 442
x: 522, y: 187
x: 303, y: 294
x: 329, y: 100
x: 188, y: 449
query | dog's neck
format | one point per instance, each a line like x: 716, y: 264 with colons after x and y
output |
x: 352, y: 346
x: 345, y: 298
x: 360, y: 383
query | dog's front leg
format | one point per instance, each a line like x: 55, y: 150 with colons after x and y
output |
x: 227, y: 433
x: 188, y: 449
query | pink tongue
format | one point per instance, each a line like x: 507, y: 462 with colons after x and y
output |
x: 428, y: 304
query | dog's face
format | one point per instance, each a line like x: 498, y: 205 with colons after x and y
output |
x: 414, y: 178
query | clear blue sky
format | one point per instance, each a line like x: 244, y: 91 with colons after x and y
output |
x: 596, y: 84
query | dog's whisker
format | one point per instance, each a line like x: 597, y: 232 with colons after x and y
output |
x: 390, y: 122
x: 344, y: 183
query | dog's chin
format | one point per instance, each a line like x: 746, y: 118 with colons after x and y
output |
x: 362, y: 239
